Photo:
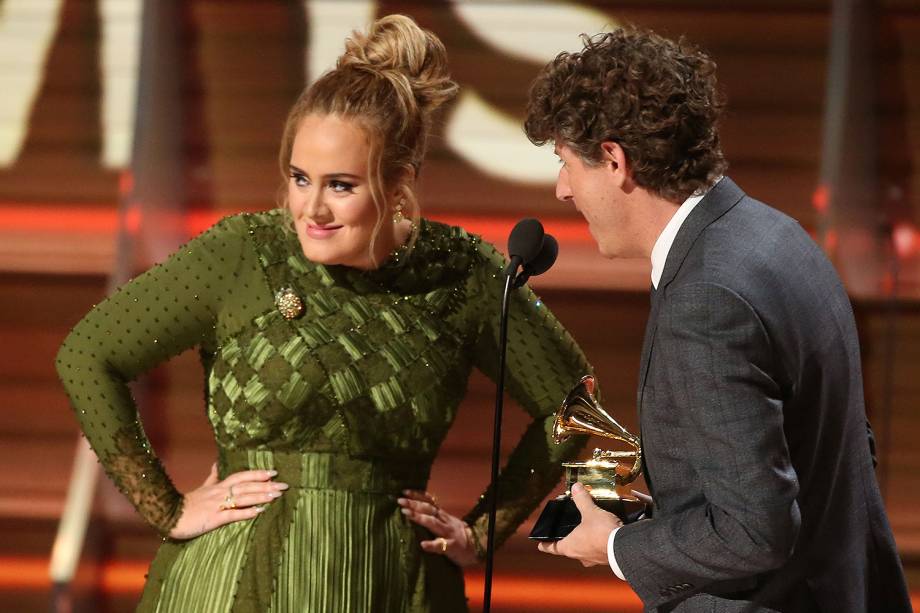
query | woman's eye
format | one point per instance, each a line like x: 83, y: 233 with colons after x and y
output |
x: 341, y: 186
x: 299, y: 180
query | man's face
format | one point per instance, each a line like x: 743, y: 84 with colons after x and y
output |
x: 597, y: 193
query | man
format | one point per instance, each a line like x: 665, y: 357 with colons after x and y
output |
x: 750, y: 393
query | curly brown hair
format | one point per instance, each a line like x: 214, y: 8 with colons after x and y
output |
x: 655, y: 97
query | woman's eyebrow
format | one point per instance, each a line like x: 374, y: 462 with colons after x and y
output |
x: 334, y: 175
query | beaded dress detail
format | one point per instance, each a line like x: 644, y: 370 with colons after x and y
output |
x: 345, y: 382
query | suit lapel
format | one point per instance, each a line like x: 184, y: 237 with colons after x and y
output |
x: 647, y: 342
x: 722, y: 197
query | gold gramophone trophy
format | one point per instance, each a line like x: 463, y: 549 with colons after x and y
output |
x: 606, y: 475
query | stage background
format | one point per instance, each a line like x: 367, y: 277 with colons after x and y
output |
x: 74, y: 101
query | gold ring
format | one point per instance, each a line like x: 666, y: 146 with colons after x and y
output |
x: 228, y: 503
x: 443, y: 542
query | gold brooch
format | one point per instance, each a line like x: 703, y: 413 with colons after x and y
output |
x: 289, y: 304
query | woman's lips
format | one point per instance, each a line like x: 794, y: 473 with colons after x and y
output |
x: 321, y: 232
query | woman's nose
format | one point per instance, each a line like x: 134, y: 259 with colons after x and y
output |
x: 313, y: 206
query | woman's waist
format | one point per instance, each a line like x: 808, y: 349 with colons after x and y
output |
x: 330, y: 471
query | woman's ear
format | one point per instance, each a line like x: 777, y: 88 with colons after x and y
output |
x: 403, y: 182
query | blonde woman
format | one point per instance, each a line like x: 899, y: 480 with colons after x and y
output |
x: 337, y: 334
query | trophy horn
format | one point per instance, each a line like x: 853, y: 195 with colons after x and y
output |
x: 580, y: 413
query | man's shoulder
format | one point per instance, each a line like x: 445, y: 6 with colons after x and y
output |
x: 754, y: 247
x: 753, y: 215
x: 767, y: 259
x: 753, y: 232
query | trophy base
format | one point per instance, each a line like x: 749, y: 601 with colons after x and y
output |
x: 560, y: 516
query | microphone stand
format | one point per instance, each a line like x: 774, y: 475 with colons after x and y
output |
x: 497, y: 439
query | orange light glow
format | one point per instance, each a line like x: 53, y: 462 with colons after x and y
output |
x: 904, y: 237
x: 125, y: 182
x: 133, y: 220
x: 534, y: 592
x: 830, y: 241
x: 24, y: 573
x: 554, y: 594
x: 821, y: 199
x: 103, y: 219
x: 124, y: 577
x: 88, y: 219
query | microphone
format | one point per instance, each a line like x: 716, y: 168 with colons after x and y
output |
x: 524, y: 244
x: 528, y: 246
x: 543, y: 261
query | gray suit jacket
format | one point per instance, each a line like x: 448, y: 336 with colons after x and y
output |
x: 753, y: 426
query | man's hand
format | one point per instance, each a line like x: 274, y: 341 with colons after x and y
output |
x: 587, y: 543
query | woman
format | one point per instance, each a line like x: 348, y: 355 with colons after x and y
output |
x: 337, y: 334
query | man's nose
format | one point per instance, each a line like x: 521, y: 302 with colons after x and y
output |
x: 563, y: 190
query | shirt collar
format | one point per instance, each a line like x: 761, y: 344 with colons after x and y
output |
x: 667, y: 236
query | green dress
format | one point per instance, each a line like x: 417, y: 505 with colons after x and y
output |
x: 348, y: 401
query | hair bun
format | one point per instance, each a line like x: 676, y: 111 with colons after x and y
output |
x: 398, y: 49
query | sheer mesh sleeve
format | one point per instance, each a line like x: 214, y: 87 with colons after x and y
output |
x: 543, y: 364
x: 159, y: 314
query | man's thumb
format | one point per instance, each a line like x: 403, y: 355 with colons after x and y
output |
x: 582, y: 498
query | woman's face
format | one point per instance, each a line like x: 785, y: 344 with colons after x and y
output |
x: 329, y: 195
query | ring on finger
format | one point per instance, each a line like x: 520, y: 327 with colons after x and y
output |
x: 229, y: 503
x: 442, y: 543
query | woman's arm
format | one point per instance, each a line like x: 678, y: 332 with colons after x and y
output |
x: 159, y: 314
x: 543, y: 365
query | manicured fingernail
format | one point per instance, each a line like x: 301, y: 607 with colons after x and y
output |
x: 272, y: 473
x: 259, y: 509
x: 401, y: 500
x: 405, y: 511
x: 282, y: 486
x: 274, y: 494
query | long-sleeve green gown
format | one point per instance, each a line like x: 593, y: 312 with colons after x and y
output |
x: 349, y: 402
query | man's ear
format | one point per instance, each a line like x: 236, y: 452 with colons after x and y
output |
x: 612, y: 154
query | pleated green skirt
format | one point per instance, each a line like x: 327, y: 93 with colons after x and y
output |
x: 335, y: 541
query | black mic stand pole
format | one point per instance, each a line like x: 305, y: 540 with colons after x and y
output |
x: 497, y: 439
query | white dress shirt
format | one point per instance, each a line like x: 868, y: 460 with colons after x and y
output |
x: 659, y: 257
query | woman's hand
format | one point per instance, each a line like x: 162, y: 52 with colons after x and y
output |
x: 454, y: 538
x: 216, y: 503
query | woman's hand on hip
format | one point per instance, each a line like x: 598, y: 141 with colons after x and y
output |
x: 453, y: 537
x: 216, y: 503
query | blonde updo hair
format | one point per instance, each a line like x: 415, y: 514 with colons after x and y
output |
x: 390, y: 81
